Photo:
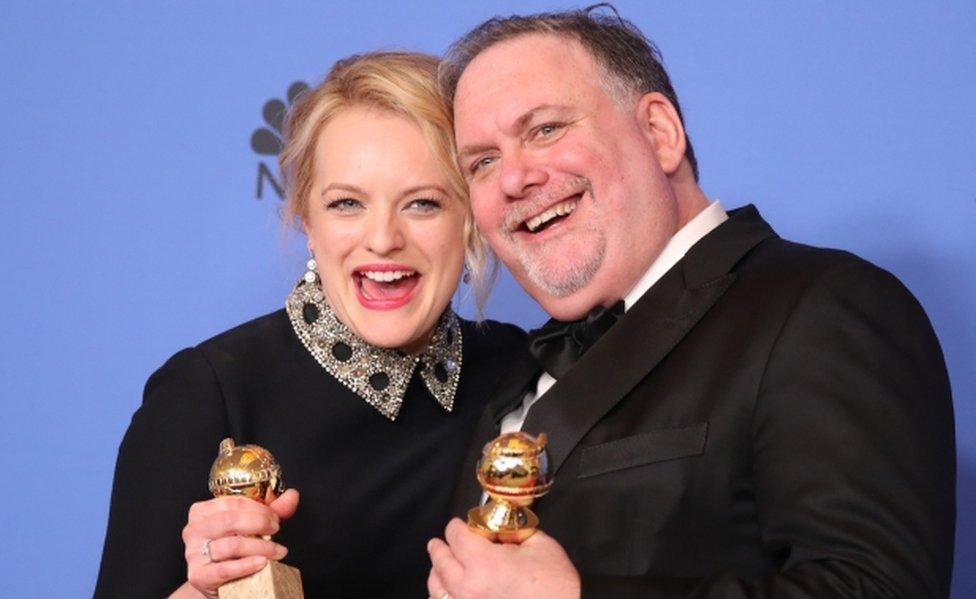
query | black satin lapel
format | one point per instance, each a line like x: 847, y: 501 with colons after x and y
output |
x: 619, y: 360
x: 718, y: 252
x: 645, y: 334
x: 506, y: 396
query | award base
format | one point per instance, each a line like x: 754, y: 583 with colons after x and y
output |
x: 502, y: 521
x: 274, y: 581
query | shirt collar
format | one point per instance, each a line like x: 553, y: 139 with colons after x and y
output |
x: 676, y: 248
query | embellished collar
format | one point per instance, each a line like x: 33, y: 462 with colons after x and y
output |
x: 376, y: 374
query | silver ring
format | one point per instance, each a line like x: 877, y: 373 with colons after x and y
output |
x: 206, y: 549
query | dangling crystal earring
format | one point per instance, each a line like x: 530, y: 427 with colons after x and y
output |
x: 466, y: 277
x: 311, y: 275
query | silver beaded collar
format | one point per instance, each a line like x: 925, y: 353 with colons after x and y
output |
x: 376, y: 374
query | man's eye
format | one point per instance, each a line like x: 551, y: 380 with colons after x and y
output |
x: 424, y: 205
x: 343, y: 204
x: 481, y: 163
x: 548, y: 129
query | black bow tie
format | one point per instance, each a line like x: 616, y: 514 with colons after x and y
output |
x: 557, y: 345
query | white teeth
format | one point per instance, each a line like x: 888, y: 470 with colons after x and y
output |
x: 387, y: 276
x: 559, y: 209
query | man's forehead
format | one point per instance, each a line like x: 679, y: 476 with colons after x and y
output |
x: 534, y: 54
x: 524, y: 74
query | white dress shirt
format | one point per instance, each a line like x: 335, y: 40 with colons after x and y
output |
x: 673, y: 251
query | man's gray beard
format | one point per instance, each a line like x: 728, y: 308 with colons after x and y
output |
x: 567, y: 283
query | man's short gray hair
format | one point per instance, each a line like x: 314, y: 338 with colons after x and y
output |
x: 631, y: 61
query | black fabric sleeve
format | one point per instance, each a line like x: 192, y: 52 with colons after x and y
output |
x: 853, y: 453
x: 162, y: 468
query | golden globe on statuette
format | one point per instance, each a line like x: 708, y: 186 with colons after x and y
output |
x: 514, y: 471
x: 251, y: 471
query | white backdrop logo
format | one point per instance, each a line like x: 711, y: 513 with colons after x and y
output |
x: 266, y: 141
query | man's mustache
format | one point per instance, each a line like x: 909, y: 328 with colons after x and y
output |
x: 523, y: 209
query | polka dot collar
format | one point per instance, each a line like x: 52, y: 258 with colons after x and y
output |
x: 378, y: 375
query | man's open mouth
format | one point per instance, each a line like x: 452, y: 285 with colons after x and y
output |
x: 551, y: 216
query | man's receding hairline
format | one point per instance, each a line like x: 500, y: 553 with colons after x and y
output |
x: 612, y: 83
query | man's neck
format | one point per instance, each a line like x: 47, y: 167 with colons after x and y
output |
x: 691, y: 201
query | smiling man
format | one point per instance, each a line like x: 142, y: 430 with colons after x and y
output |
x: 730, y: 414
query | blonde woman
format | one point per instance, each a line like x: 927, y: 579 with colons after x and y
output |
x: 366, y: 386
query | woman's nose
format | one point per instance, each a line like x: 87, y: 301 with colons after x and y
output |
x: 385, y: 234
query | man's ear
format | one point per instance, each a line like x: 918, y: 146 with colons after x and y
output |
x: 659, y: 121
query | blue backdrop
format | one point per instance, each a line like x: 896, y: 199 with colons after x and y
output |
x: 137, y: 218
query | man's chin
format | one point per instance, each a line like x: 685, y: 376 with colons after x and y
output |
x: 570, y: 307
x: 562, y: 280
x: 563, y: 298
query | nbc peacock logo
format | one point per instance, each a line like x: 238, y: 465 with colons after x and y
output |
x: 267, y: 140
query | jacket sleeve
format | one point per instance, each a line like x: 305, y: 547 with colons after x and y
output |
x: 853, y: 453
x: 162, y: 468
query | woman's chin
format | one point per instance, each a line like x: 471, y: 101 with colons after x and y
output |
x: 407, y: 328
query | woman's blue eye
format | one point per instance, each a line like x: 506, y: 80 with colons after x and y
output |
x: 343, y: 204
x: 425, y: 204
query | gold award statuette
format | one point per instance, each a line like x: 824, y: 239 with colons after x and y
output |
x: 251, y: 471
x: 513, y: 470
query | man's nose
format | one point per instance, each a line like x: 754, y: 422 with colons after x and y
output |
x: 519, y: 173
x: 384, y: 233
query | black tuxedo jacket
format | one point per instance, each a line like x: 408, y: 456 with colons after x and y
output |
x: 768, y: 420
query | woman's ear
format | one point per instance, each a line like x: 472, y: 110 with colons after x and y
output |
x: 308, y: 237
x: 659, y: 121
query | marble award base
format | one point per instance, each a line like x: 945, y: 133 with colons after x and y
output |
x: 274, y: 581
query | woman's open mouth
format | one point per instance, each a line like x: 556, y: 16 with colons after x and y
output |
x: 385, y: 287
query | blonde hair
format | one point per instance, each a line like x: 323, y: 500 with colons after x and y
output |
x: 404, y: 83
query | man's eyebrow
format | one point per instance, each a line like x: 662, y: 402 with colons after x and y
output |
x: 525, y: 119
x: 520, y: 123
x: 467, y: 151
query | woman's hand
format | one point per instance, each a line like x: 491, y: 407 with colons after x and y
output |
x: 223, y: 538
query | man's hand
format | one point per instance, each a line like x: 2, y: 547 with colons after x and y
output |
x: 468, y: 566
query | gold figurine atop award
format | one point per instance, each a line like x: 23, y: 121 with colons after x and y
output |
x: 513, y: 470
x: 247, y: 470
x: 251, y: 471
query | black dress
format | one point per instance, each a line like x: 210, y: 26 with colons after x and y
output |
x: 373, y: 491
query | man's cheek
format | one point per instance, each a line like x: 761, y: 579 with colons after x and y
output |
x: 486, y: 217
